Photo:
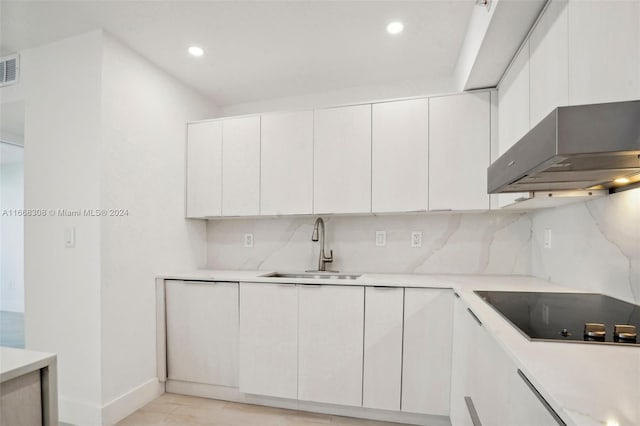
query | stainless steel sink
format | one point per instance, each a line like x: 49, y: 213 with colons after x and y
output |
x: 320, y: 275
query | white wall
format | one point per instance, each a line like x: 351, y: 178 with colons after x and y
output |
x: 108, y: 132
x: 11, y: 229
x: 62, y: 170
x: 351, y: 95
x: 142, y: 156
x: 595, y: 245
x: 491, y: 243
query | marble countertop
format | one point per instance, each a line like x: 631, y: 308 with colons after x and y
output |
x: 586, y: 384
x: 17, y: 362
x: 453, y: 281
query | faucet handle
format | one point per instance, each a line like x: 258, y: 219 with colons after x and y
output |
x: 329, y: 259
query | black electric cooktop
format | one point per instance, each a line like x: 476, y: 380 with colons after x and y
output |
x: 568, y: 317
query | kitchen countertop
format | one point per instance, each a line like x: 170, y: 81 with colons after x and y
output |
x: 586, y: 384
x: 17, y: 362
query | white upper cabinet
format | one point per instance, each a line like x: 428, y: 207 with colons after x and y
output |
x: 342, y: 160
x: 286, y: 166
x: 513, y: 111
x: 204, y: 169
x: 459, y: 142
x: 241, y: 166
x: 549, y: 61
x: 513, y: 102
x: 269, y: 339
x: 426, y: 366
x: 604, y: 51
x: 399, y: 157
x: 330, y: 335
x: 383, y: 320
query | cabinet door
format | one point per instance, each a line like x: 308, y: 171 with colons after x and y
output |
x: 241, y: 166
x: 269, y: 339
x: 382, y: 348
x: 204, y: 169
x: 487, y: 372
x: 604, y: 51
x: 426, y: 365
x: 461, y: 353
x: 524, y: 407
x: 342, y: 160
x: 549, y: 61
x: 513, y: 111
x: 399, y: 157
x: 286, y: 166
x: 330, y: 340
x: 459, y: 144
x: 202, y: 332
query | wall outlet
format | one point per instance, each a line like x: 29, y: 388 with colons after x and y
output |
x: 381, y: 238
x: 248, y: 240
x: 416, y: 239
x: 547, y: 238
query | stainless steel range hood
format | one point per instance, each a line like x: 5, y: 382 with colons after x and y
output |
x: 573, y: 148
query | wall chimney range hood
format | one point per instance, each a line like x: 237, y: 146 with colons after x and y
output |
x: 585, y: 147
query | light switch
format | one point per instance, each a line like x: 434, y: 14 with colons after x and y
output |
x: 381, y: 238
x: 70, y: 236
x: 547, y: 238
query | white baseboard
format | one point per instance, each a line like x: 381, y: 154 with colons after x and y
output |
x: 233, y: 394
x: 76, y: 412
x: 126, y: 404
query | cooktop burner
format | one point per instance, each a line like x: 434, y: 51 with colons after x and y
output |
x: 568, y: 317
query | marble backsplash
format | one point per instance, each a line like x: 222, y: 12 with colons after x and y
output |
x: 471, y: 243
x: 595, y: 245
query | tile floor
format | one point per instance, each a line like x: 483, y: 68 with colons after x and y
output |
x: 180, y: 410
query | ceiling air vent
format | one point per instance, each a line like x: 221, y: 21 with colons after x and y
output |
x: 9, y: 66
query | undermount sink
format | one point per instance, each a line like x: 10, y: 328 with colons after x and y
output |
x: 322, y: 275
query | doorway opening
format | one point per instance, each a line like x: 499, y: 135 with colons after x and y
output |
x: 12, y: 226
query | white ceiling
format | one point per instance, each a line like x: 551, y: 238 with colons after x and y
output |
x: 258, y: 50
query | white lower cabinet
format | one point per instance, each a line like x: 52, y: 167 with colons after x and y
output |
x: 269, y: 339
x: 524, y: 408
x: 462, y: 331
x: 202, y: 332
x: 382, y: 348
x: 487, y: 375
x: 480, y: 372
x: 414, y: 350
x: 330, y: 352
x: 426, y: 368
x: 487, y: 387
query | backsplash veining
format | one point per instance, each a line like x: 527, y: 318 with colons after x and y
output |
x: 595, y: 245
x: 478, y: 243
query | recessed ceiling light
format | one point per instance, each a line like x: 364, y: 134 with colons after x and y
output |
x: 395, y: 27
x: 622, y: 180
x: 196, y: 51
